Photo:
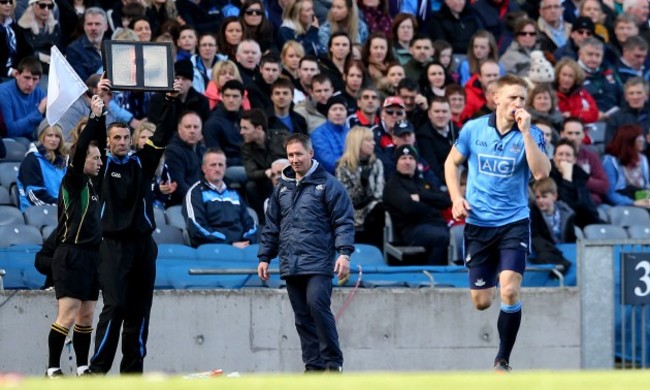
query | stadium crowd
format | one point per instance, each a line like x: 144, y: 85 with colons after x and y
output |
x: 370, y: 81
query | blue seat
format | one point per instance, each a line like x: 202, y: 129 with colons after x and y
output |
x: 569, y: 251
x: 10, y: 215
x: 20, y: 235
x: 180, y: 277
x: 219, y: 252
x: 170, y: 255
x: 367, y: 255
x: 165, y: 234
x: 18, y: 262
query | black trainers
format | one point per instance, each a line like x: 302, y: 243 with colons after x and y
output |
x: 334, y: 368
x: 54, y: 373
x: 501, y: 366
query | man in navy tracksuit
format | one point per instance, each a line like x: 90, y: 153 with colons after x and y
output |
x: 128, y: 252
x: 309, y: 217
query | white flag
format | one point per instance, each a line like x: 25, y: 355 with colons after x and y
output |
x: 63, y: 88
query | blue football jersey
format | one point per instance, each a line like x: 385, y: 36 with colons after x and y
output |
x: 497, y: 180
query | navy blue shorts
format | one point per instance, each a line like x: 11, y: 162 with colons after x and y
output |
x: 489, y: 250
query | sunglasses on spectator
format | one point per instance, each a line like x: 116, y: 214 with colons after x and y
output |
x: 3, y: 2
x: 43, y: 5
x: 524, y: 33
x: 250, y: 12
x: 393, y: 112
x: 584, y: 32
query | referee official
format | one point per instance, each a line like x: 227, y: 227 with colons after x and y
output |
x: 128, y: 252
x: 75, y: 265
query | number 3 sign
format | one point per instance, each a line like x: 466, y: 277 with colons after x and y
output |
x: 635, y: 279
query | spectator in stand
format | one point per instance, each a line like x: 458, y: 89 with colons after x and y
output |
x: 223, y: 72
x: 362, y: 175
x: 221, y: 130
x: 633, y: 61
x: 141, y: 135
x: 214, y: 212
x: 416, y: 104
x: 42, y: 31
x: 624, y: 28
x: 43, y: 168
x: 550, y: 218
x: 291, y: 54
x: 573, y: 98
x: 627, y: 168
x: 159, y: 12
x: 437, y: 135
x: 393, y: 111
x: 231, y: 33
x: 339, y: 52
x: 280, y: 113
x: 542, y: 103
x: 353, y: 77
x: 589, y: 161
x: 376, y: 56
x: 259, y: 90
x: 582, y: 29
x: 490, y: 104
x: 83, y: 54
x: 443, y: 54
x: 256, y: 27
x: 422, y: 9
x: 186, y: 43
x: 204, y: 61
x: 455, y: 94
x: 329, y: 138
x: 482, y: 47
x: 204, y: 15
x: 300, y: 25
x: 554, y: 31
x: 636, y: 109
x: 402, y: 33
x: 593, y: 9
x: 343, y: 16
x: 492, y: 14
x: 421, y: 50
x: 516, y: 59
x: 307, y: 69
x: 23, y: 102
x: 416, y: 208
x: 314, y: 109
x: 551, y: 135
x: 13, y: 44
x: 434, y: 80
x: 142, y: 28
x: 601, y: 81
x: 248, y: 58
x: 375, y: 14
x: 123, y: 12
x: 368, y: 102
x: 639, y: 9
x: 394, y: 74
x: 456, y: 23
x: 477, y: 85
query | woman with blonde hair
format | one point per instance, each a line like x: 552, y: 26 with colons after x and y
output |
x: 300, y: 25
x: 291, y: 54
x: 43, y: 168
x: 343, y: 16
x: 362, y: 174
x: 142, y: 134
x: 42, y: 31
x: 572, y: 99
x: 222, y: 72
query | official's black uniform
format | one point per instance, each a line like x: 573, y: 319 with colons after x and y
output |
x: 75, y: 265
x: 128, y: 252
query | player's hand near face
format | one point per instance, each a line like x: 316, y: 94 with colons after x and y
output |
x: 522, y: 117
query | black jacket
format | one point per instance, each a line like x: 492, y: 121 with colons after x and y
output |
x: 184, y: 166
x: 576, y: 195
x: 221, y: 130
x: 455, y: 31
x: 193, y: 102
x: 434, y: 148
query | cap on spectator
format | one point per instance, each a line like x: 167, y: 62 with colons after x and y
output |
x: 406, y: 150
x: 184, y: 68
x: 33, y: 1
x: 394, y: 101
x: 403, y: 127
x: 336, y: 99
x: 541, y: 70
x: 584, y: 23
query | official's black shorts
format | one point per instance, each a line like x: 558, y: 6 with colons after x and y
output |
x: 76, y: 273
x: 484, y: 251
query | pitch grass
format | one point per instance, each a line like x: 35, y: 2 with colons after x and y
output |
x: 530, y: 380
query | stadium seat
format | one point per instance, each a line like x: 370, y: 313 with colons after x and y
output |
x: 5, y: 198
x: 366, y: 255
x: 18, y: 263
x: 456, y: 244
x: 8, y: 173
x: 19, y: 235
x: 9, y: 215
x: 15, y: 150
x: 174, y: 215
x: 41, y: 215
x: 596, y: 132
x: 392, y: 246
x: 47, y: 230
x: 639, y: 231
x: 165, y: 234
x: 628, y: 215
x: 181, y: 279
x: 604, y: 232
x: 253, y: 214
x: 220, y: 252
x: 171, y: 255
x: 159, y: 216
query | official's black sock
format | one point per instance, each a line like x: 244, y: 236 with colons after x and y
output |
x: 81, y: 343
x: 55, y: 342
x: 508, y: 326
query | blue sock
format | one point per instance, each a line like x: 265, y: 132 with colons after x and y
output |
x: 508, y: 327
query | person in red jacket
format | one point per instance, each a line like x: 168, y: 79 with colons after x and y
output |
x: 476, y: 86
x: 572, y: 99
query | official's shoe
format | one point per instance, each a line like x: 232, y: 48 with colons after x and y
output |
x: 54, y: 373
x: 501, y: 366
x: 84, y: 371
x: 333, y: 368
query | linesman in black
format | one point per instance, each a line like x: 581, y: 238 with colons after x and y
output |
x: 128, y: 252
x: 75, y: 265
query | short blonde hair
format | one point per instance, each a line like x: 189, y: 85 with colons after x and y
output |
x: 225, y: 66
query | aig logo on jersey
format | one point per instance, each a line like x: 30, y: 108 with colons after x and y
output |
x: 496, y: 165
